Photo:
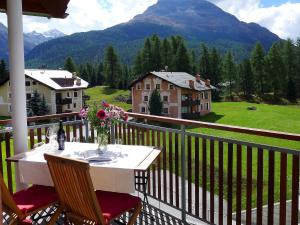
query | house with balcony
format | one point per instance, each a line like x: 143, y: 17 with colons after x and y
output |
x: 62, y: 90
x: 183, y: 95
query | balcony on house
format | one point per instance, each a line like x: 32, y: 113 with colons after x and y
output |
x: 221, y: 178
x: 190, y: 102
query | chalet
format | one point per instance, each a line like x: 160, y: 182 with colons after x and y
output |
x: 63, y: 91
x: 183, y: 95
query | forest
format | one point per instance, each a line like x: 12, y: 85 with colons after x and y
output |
x: 271, y: 76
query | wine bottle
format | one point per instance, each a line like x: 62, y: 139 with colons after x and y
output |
x: 61, y: 136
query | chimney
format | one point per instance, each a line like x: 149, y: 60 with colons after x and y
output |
x: 207, y: 82
x: 192, y: 84
x: 74, y: 75
x: 78, y: 81
x: 198, y: 78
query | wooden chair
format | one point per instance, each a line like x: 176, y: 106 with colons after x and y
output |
x: 27, y: 202
x: 81, y: 203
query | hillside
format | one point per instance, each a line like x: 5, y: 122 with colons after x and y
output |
x: 196, y: 20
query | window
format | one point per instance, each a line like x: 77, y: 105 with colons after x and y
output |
x: 143, y: 109
x: 146, y: 98
x: 138, y: 86
x: 207, y: 106
x: 206, y: 95
x: 75, y: 94
x: 74, y: 105
x: 33, y: 82
x: 158, y: 86
x: 27, y: 83
x: 202, y: 95
x: 171, y: 87
x: 28, y: 96
x: 148, y: 86
x: 69, y: 106
x: 165, y: 99
x: 165, y: 110
x: 186, y: 109
x: 9, y: 108
x: 68, y: 94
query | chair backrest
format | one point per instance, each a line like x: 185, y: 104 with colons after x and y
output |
x: 7, y: 199
x: 74, y: 187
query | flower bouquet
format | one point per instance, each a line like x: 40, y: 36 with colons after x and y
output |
x: 103, y: 120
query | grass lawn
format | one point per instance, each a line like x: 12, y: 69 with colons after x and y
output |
x: 98, y: 94
x: 269, y: 117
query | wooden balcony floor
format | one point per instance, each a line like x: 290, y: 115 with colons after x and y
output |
x: 150, y: 215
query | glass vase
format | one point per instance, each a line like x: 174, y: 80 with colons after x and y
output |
x: 102, y: 140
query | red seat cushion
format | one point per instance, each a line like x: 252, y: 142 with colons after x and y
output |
x: 113, y: 204
x: 35, y: 197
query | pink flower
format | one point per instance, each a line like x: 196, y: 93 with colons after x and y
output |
x: 108, y: 124
x: 105, y: 104
x: 102, y: 124
x: 125, y: 117
x: 83, y: 112
x: 101, y: 114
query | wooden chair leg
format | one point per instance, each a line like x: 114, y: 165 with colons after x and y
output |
x: 135, y: 214
x: 55, y: 216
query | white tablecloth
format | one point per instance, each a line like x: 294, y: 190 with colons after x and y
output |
x: 116, y: 175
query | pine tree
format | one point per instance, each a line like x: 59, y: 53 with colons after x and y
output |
x: 156, y: 53
x: 147, y: 57
x: 37, y: 106
x: 3, y: 71
x: 100, y: 76
x: 111, y: 67
x: 247, y: 81
x: 275, y: 69
x: 292, y: 91
x: 297, y: 75
x: 204, y: 65
x: 167, y: 56
x: 229, y: 72
x: 70, y: 65
x: 182, y: 59
x: 194, y: 69
x: 155, y: 103
x: 215, y: 76
x: 138, y: 65
x: 258, y: 68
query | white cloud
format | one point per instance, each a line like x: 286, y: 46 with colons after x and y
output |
x: 88, y: 15
x: 282, y: 20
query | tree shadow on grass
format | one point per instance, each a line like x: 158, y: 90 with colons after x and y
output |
x: 109, y: 91
x: 211, y: 117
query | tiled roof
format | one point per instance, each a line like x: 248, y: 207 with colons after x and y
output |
x: 180, y: 79
x: 56, y: 79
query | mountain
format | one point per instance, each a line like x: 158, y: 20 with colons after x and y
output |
x: 37, y: 38
x: 196, y: 20
x: 31, y: 39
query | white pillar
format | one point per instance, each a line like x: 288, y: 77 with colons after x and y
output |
x: 17, y: 77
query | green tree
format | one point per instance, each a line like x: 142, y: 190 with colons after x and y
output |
x: 194, y: 69
x: 70, y: 65
x: 292, y: 91
x: 297, y: 75
x: 246, y: 76
x: 155, y: 103
x: 215, y: 75
x: 100, y: 79
x: 275, y: 69
x: 3, y: 71
x: 258, y: 67
x: 147, y: 57
x: 182, y: 59
x: 167, y: 56
x: 138, y: 65
x: 156, y: 53
x: 204, y: 65
x: 111, y: 67
x: 229, y: 73
x: 36, y: 105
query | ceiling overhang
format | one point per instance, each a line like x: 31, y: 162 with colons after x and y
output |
x: 44, y: 8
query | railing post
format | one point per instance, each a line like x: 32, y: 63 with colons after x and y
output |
x: 86, y: 127
x: 183, y: 189
x: 112, y: 134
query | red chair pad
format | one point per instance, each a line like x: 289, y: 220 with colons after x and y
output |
x: 35, y: 197
x: 113, y: 204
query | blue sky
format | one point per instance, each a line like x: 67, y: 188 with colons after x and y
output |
x: 268, y: 3
x: 279, y: 16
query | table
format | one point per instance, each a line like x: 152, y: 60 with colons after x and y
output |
x: 116, y: 175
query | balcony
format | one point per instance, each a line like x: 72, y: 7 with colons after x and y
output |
x: 190, y: 102
x: 64, y: 101
x: 198, y: 178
